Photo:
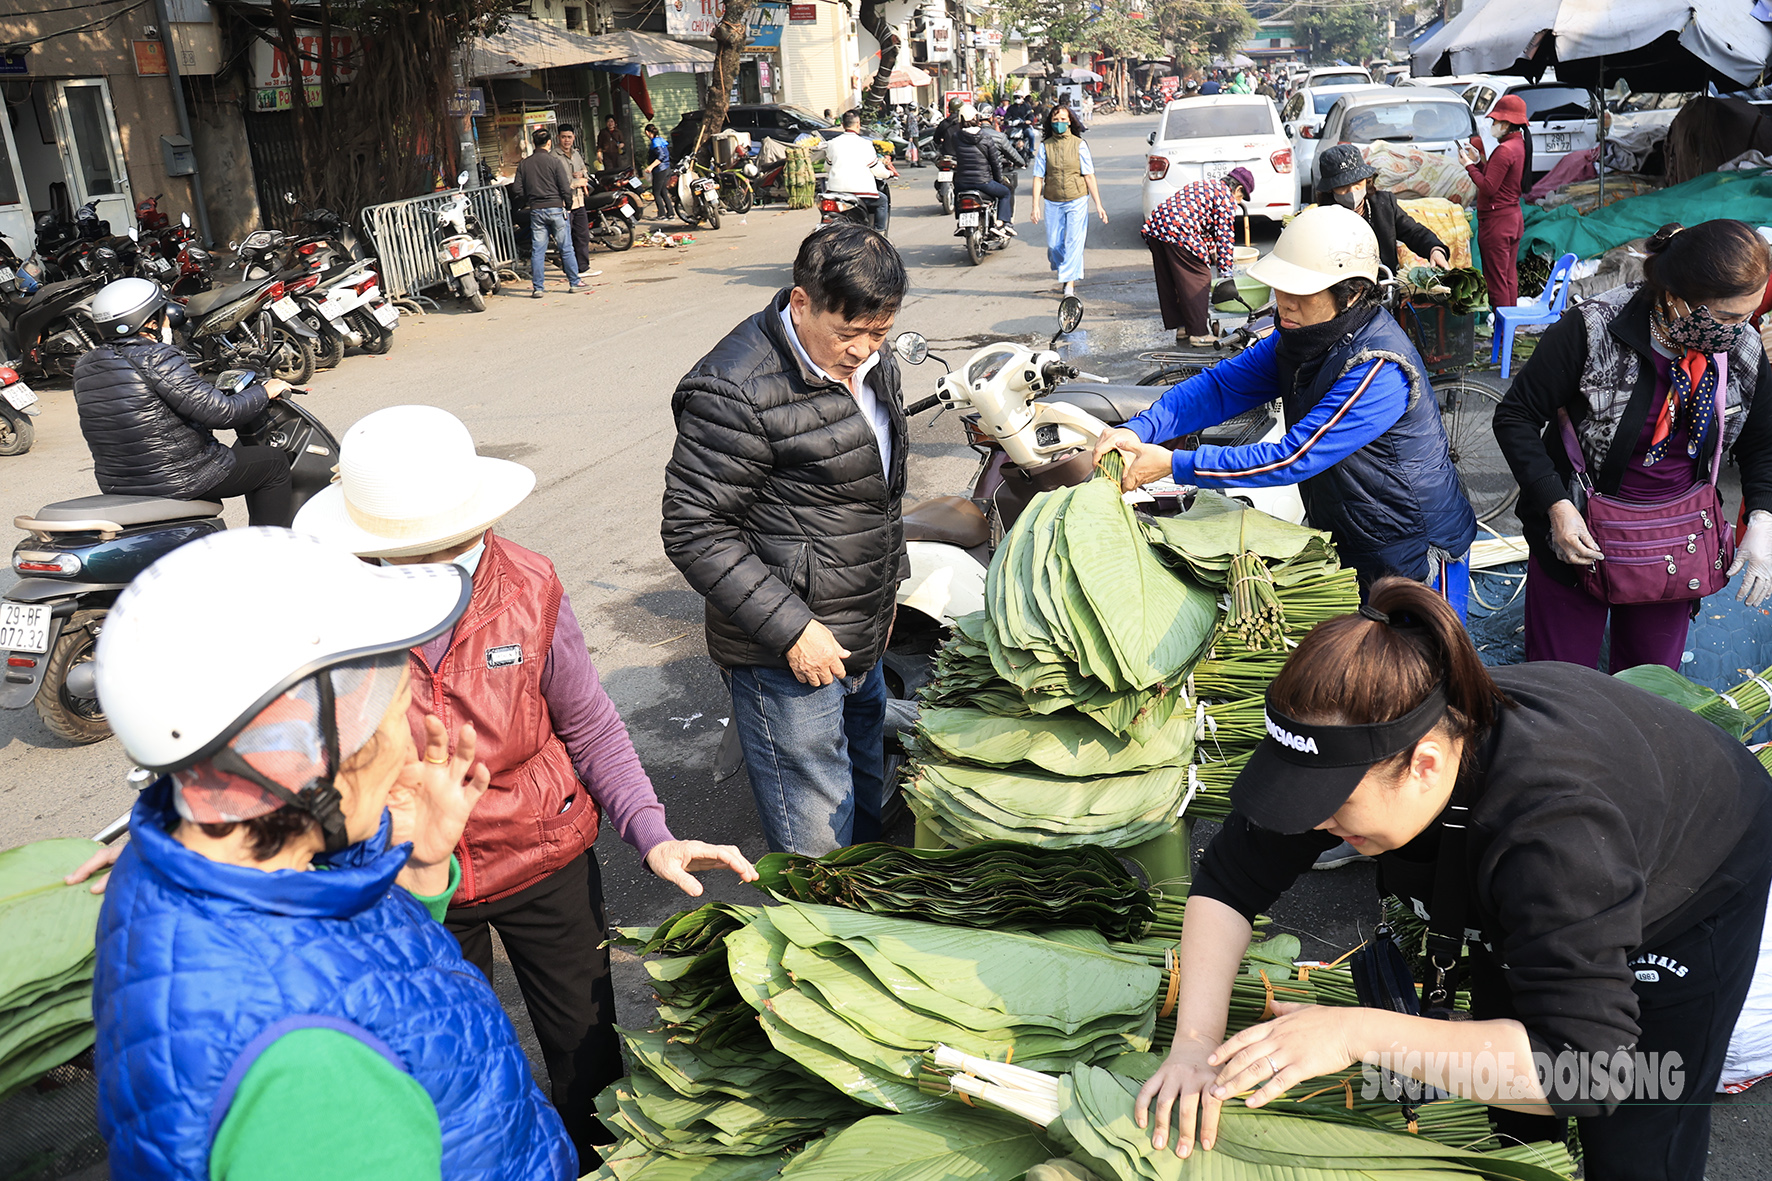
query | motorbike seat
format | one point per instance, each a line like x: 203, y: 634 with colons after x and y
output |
x: 601, y: 200
x: 204, y: 302
x: 1112, y: 404
x: 951, y: 520
x: 123, y: 511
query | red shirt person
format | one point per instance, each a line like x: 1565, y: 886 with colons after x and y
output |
x: 1500, y: 223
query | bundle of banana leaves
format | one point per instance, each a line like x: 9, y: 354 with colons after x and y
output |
x: 48, y: 929
x: 1739, y: 710
x: 856, y: 999
x: 996, y: 885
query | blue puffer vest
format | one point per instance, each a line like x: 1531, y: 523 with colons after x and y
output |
x: 1394, y: 498
x: 198, y: 961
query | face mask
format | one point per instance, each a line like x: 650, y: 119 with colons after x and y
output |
x: 1498, y: 129
x: 1061, y: 129
x: 1700, y: 332
x: 1352, y: 198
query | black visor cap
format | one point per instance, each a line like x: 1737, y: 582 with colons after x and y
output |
x: 1303, y: 772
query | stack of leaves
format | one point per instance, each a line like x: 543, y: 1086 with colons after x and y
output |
x: 706, y: 1081
x: 996, y: 885
x: 46, y: 976
x: 1739, y: 710
x: 947, y: 1144
x: 856, y: 998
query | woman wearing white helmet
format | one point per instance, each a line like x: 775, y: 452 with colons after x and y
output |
x: 149, y: 418
x: 255, y: 1018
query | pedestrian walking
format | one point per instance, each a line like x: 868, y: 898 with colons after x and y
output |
x: 658, y: 166
x: 612, y: 149
x: 783, y: 509
x: 1500, y: 221
x: 513, y: 671
x: 544, y: 182
x: 579, y: 216
x: 1064, y: 185
x: 1189, y: 233
x: 1634, y: 378
x: 1591, y: 861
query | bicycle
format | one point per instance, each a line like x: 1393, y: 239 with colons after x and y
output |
x: 736, y: 194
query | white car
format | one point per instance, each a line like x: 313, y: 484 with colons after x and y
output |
x: 1337, y: 76
x: 1204, y: 138
x: 1559, y: 119
x: 1302, y: 120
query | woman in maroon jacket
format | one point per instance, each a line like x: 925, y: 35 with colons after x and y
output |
x: 1499, y: 179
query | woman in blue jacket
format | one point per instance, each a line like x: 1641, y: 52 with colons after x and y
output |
x: 1364, y: 441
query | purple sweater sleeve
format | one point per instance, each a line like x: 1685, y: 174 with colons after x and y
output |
x: 597, y: 739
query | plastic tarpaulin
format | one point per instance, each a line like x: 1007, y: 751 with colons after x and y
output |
x: 1745, y: 196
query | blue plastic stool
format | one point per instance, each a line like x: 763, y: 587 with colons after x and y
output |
x: 1544, y: 310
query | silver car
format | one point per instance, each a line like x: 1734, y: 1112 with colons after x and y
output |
x: 1302, y: 120
x: 1425, y: 118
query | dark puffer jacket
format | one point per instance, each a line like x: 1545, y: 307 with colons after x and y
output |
x: 148, y: 419
x: 976, y: 159
x: 775, y: 508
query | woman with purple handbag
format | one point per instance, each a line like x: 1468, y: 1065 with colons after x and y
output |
x: 1615, y: 429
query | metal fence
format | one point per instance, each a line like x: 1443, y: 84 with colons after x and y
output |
x: 404, y: 235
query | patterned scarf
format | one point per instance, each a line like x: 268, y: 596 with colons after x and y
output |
x: 1691, y: 398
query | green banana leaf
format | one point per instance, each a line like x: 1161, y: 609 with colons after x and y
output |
x: 1072, y: 746
x: 631, y: 1161
x: 50, y: 926
x: 1706, y: 703
x: 950, y: 1143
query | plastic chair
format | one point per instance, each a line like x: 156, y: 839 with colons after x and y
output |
x: 1544, y: 310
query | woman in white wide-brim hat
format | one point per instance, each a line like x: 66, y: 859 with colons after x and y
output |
x: 411, y: 489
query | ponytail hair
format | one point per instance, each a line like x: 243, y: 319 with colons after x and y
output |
x: 1356, y: 670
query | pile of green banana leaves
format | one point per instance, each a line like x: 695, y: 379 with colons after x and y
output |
x: 996, y: 885
x: 1740, y: 710
x: 48, y: 929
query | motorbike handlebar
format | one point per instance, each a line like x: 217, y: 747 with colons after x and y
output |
x: 929, y: 403
x: 1056, y: 372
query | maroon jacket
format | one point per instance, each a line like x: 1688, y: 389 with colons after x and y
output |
x: 1498, y: 178
x: 537, y: 816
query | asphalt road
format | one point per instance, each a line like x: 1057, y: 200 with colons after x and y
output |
x: 578, y: 387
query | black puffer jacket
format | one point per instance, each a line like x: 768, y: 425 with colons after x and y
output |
x: 775, y: 508
x: 148, y: 419
x: 975, y: 159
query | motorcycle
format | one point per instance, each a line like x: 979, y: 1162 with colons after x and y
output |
x: 254, y: 324
x: 944, y: 183
x: 46, y: 327
x: 79, y: 555
x: 18, y: 405
x: 975, y: 219
x: 612, y: 211
x: 467, y: 262
x: 698, y: 197
x: 836, y: 205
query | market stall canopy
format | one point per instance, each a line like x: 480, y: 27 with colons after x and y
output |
x: 531, y: 45
x: 628, y: 51
x: 1031, y: 70
x: 1082, y: 75
x: 903, y: 76
x: 1239, y: 62
x: 1657, y: 45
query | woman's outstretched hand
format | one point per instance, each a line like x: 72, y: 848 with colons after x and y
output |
x: 431, y: 802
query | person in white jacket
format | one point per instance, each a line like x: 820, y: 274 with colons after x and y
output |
x: 854, y: 167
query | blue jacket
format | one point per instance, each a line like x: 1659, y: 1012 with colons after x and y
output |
x: 201, y: 966
x: 1363, y: 442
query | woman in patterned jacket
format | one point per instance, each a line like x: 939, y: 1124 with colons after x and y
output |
x: 1189, y: 234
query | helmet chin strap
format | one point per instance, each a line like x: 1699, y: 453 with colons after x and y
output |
x: 320, y: 799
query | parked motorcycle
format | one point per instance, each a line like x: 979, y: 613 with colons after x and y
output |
x: 79, y: 555
x: 45, y: 327
x: 975, y: 219
x: 698, y: 197
x: 18, y: 405
x: 252, y: 324
x: 335, y: 308
x: 613, y: 210
x: 944, y: 183
x: 468, y: 267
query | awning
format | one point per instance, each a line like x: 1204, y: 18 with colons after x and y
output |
x: 529, y: 45
x: 629, y: 51
x: 907, y: 76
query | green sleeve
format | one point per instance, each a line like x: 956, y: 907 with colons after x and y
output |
x: 319, y: 1103
x: 438, y: 904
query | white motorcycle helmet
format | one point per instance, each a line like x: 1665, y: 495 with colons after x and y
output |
x: 1318, y: 249
x: 968, y: 113
x: 212, y: 633
x: 123, y: 306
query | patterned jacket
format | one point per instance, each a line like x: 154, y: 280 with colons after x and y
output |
x: 1200, y: 217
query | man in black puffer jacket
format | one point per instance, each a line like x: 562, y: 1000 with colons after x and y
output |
x: 149, y: 418
x: 782, y: 509
x: 978, y: 168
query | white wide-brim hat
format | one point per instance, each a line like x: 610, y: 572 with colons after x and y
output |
x: 409, y: 482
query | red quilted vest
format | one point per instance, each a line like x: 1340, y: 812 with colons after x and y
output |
x: 537, y: 816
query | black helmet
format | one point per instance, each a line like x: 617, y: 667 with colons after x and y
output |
x: 120, y: 310
x: 1342, y: 165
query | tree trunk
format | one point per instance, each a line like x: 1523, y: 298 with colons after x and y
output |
x: 873, y: 19
x: 729, y: 36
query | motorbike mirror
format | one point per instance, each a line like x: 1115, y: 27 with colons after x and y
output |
x: 288, y: 198
x: 462, y: 180
x: 134, y: 236
x: 184, y: 219
x: 235, y: 380
x: 1151, y: 138
x: 911, y: 348
x: 1070, y: 314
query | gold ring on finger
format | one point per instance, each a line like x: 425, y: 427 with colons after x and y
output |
x: 439, y: 762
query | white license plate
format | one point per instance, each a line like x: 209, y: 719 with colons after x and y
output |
x: 944, y: 175
x: 5, y: 274
x: 1557, y: 142
x: 387, y: 315
x: 968, y: 220
x: 24, y: 627
x: 627, y: 211
x: 287, y: 308
x: 461, y: 266
x: 162, y: 266
x: 18, y: 395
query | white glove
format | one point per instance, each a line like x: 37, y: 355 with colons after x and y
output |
x: 1755, y: 553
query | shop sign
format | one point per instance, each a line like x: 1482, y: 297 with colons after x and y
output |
x: 692, y: 20
x: 272, y: 73
x: 13, y: 63
x: 939, y: 35
x: 949, y: 97
x: 763, y: 75
x: 763, y: 26
x: 150, y: 59
x: 803, y: 14
x: 278, y: 98
x: 471, y: 101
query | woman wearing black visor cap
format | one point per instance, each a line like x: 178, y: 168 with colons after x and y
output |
x: 1611, y: 851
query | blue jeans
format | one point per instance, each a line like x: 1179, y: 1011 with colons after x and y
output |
x: 546, y: 224
x: 1005, y: 199
x: 815, y: 756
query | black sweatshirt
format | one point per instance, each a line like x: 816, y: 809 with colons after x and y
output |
x: 1525, y: 426
x: 1606, y: 821
x: 1392, y: 224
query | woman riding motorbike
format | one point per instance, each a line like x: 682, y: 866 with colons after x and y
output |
x: 978, y: 165
x: 274, y: 993
x: 149, y: 418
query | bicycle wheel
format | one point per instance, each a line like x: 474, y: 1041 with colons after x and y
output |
x: 1467, y: 411
x: 735, y: 192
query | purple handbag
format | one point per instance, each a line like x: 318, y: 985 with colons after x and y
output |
x: 1669, y: 551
